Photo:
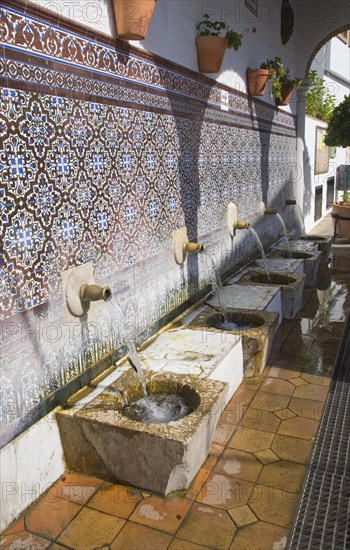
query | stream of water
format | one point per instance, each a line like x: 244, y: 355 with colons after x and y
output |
x: 262, y: 251
x: 285, y: 233
x: 131, y: 347
x: 215, y: 280
x: 301, y: 216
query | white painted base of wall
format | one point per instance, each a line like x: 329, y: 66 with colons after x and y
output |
x: 29, y: 465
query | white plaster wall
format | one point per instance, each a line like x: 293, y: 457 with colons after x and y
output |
x: 29, y: 465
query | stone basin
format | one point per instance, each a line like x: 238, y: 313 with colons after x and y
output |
x: 256, y: 330
x: 291, y: 285
x: 311, y: 262
x: 323, y: 243
x: 99, y: 439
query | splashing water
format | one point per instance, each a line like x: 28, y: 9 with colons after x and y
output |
x: 215, y: 280
x: 159, y: 408
x: 133, y: 356
x: 301, y: 216
x: 262, y: 251
x: 285, y: 233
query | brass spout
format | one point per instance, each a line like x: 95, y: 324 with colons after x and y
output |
x: 192, y: 247
x: 270, y: 211
x: 290, y: 202
x: 92, y: 293
x: 241, y: 225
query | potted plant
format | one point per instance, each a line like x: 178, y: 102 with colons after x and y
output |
x: 213, y: 39
x: 282, y: 85
x: 257, y: 80
x: 341, y: 216
x: 133, y: 17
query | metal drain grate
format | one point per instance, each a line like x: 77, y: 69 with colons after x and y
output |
x: 323, y: 516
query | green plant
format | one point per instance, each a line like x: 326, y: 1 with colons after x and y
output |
x: 319, y: 101
x: 345, y: 198
x: 338, y: 131
x: 279, y: 77
x: 207, y: 27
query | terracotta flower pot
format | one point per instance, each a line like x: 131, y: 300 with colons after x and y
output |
x: 257, y: 80
x: 343, y: 221
x: 210, y: 51
x: 132, y: 18
x: 286, y: 92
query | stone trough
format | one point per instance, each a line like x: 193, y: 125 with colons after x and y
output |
x: 255, y: 329
x: 323, y: 245
x: 99, y: 439
x: 291, y: 285
x: 311, y: 262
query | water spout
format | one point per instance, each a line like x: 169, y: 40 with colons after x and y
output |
x: 191, y: 248
x: 291, y: 202
x: 240, y: 225
x: 270, y: 211
x: 92, y: 293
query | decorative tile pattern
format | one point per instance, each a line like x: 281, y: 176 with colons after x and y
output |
x: 102, y: 156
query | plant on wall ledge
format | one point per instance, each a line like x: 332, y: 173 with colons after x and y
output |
x: 282, y: 84
x: 213, y: 39
x: 287, y: 21
x: 338, y: 131
x: 319, y: 101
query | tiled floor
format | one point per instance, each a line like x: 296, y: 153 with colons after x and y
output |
x: 246, y: 493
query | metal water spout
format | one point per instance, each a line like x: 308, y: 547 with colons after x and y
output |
x: 92, y: 293
x: 191, y: 248
x: 240, y: 225
x: 291, y: 202
x: 270, y: 211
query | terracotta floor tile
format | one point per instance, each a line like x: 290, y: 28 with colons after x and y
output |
x: 266, y: 456
x: 215, y: 452
x: 292, y: 448
x: 260, y: 536
x: 180, y: 544
x: 49, y: 517
x: 242, y: 515
x: 75, y: 487
x: 259, y: 419
x: 197, y: 484
x: 90, y: 529
x: 139, y: 537
x: 232, y: 416
x: 298, y: 382
x: 23, y: 541
x: 320, y: 380
x: 250, y: 440
x: 277, y: 386
x: 285, y: 374
x: 284, y: 414
x: 56, y: 546
x: 270, y: 401
x: 311, y: 391
x: 207, y: 526
x: 239, y: 464
x: 252, y: 383
x: 287, y: 361
x: 306, y: 428
x: 116, y: 500
x: 242, y: 397
x: 274, y: 506
x: 225, y: 492
x: 164, y: 514
x: 306, y: 408
x: 16, y: 527
x: 223, y: 433
x: 284, y: 475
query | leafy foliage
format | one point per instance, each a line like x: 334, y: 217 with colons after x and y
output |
x: 319, y: 101
x: 219, y: 28
x: 279, y: 76
x: 338, y: 131
x: 287, y: 21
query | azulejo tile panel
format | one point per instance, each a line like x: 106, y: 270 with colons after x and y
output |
x: 103, y: 153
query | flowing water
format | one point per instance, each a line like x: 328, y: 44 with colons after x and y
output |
x: 284, y: 231
x: 159, y: 408
x: 261, y: 250
x: 215, y: 280
x: 231, y: 325
x: 301, y: 216
x: 133, y: 356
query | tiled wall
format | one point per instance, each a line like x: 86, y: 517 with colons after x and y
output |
x: 104, y: 152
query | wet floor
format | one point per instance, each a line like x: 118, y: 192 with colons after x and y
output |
x: 246, y: 494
